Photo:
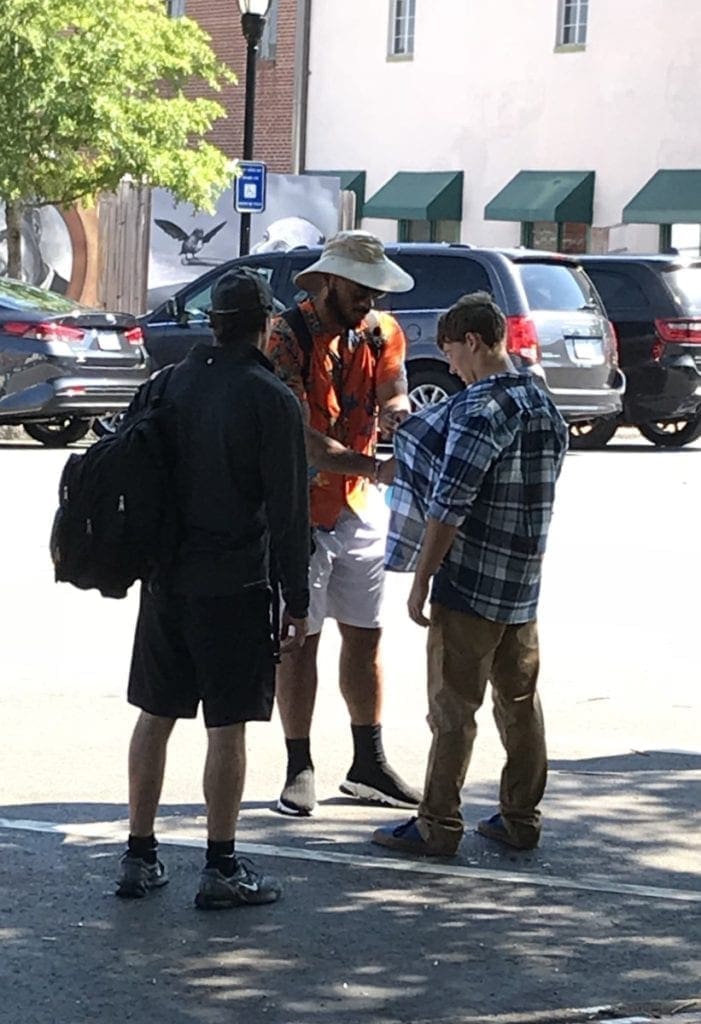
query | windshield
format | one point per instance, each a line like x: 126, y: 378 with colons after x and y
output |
x: 685, y: 283
x: 25, y: 297
x: 198, y: 302
x: 557, y: 286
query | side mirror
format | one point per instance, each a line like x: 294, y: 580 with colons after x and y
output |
x: 176, y: 311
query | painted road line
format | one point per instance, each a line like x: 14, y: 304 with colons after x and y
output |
x: 686, y: 1019
x: 114, y: 832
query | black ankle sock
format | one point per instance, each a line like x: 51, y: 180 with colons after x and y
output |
x: 367, y: 744
x: 298, y: 756
x: 144, y: 847
x: 220, y: 855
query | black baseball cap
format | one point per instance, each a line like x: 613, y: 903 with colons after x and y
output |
x: 242, y: 290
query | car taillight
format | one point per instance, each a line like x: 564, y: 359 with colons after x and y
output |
x: 680, y: 329
x: 522, y: 338
x: 611, y: 341
x: 48, y: 331
x: 135, y: 336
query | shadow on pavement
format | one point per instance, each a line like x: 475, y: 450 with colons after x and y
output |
x: 345, y: 944
x: 635, y: 761
x: 352, y: 942
x: 643, y: 448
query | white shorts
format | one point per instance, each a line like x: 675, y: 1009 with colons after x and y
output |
x: 346, y: 574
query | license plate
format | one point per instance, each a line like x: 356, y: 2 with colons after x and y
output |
x: 587, y: 351
x: 108, y: 342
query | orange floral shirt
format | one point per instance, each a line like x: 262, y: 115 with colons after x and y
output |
x: 340, y: 395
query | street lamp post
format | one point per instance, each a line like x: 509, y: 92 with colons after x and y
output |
x: 253, y: 13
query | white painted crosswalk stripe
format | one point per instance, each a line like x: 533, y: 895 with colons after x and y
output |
x: 114, y: 832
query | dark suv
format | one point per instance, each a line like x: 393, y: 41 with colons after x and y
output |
x: 654, y: 303
x: 556, y: 324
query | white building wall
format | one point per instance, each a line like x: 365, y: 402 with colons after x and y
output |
x: 487, y: 94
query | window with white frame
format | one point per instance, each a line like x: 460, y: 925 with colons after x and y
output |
x: 175, y: 8
x: 572, y: 29
x: 267, y: 49
x: 401, y: 28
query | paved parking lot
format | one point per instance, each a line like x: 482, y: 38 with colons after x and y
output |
x: 601, y: 921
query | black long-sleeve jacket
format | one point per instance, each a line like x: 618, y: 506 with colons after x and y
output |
x: 240, y: 473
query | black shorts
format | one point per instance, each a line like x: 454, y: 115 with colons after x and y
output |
x: 218, y: 650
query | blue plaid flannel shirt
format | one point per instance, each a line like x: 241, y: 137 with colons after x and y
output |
x: 486, y: 461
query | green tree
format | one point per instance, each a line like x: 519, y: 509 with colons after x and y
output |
x: 93, y: 90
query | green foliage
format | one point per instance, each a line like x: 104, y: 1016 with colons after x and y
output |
x: 92, y: 90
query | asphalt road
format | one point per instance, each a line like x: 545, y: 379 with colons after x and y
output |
x: 603, y: 918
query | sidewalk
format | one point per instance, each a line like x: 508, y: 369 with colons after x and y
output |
x: 366, y: 938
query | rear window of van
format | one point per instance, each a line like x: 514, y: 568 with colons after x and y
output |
x: 558, y: 287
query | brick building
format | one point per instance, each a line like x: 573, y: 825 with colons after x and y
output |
x: 277, y: 83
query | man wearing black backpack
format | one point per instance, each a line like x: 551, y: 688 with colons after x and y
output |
x: 205, y: 632
x: 345, y: 363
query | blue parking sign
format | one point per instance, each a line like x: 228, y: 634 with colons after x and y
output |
x: 249, y: 192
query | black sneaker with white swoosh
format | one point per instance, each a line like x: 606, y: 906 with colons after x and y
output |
x: 246, y: 887
x: 138, y: 877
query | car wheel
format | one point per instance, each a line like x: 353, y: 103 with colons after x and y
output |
x: 592, y: 434
x: 671, y: 433
x: 428, y: 386
x: 107, y: 424
x: 57, y: 433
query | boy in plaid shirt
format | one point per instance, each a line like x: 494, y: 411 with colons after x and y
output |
x: 483, y: 468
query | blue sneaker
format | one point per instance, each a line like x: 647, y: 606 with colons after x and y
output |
x: 407, y: 838
x: 495, y: 828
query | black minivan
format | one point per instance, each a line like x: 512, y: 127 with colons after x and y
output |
x: 654, y: 303
x: 556, y: 324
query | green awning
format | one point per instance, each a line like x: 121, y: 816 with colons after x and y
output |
x: 670, y: 197
x: 418, y: 195
x: 351, y: 181
x: 545, y: 195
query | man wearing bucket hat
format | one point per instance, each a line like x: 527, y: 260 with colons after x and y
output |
x: 345, y: 363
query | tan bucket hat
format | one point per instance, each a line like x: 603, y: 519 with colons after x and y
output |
x: 360, y: 257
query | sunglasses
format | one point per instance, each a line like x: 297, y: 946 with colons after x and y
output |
x: 360, y: 291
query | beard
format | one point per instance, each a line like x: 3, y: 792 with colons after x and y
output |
x: 342, y: 314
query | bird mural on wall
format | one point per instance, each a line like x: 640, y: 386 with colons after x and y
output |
x: 192, y: 242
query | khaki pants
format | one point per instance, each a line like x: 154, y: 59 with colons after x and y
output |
x: 464, y: 653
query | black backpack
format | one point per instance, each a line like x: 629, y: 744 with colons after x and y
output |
x: 117, y: 521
